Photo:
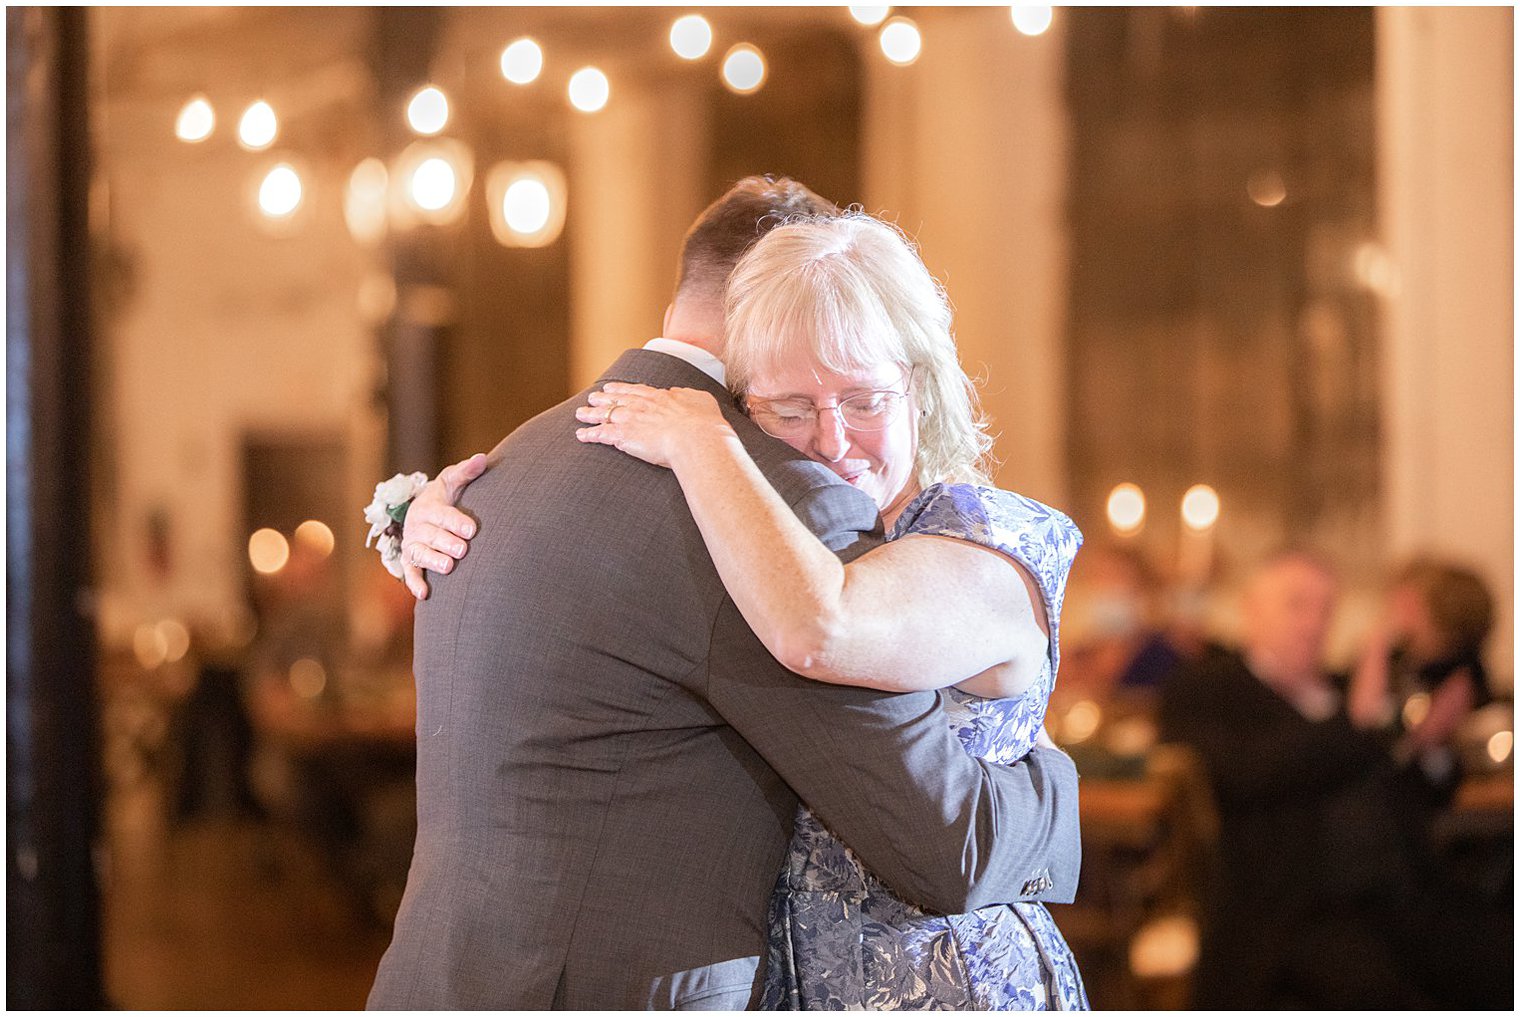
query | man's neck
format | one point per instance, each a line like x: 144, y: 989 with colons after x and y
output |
x: 1311, y: 694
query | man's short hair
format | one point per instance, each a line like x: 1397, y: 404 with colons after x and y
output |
x: 729, y: 227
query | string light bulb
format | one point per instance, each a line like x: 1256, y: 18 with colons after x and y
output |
x: 196, y: 120
x: 522, y: 61
x: 900, y: 41
x: 1200, y: 507
x: 280, y: 193
x: 1032, y: 20
x: 589, y: 90
x: 869, y: 16
x: 691, y: 37
x: 428, y: 112
x: 1126, y: 508
x: 258, y: 127
x: 744, y: 69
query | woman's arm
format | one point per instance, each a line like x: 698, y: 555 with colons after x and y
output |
x: 920, y: 612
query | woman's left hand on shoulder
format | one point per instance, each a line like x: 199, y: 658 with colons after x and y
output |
x: 657, y: 425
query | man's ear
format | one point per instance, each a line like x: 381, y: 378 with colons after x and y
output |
x: 665, y: 323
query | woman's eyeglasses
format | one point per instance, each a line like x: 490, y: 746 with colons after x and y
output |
x: 792, y: 418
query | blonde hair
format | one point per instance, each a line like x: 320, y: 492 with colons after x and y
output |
x: 851, y: 291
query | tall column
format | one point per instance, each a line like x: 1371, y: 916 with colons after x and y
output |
x: 637, y: 169
x: 967, y: 150
x: 1445, y: 123
x: 52, y: 808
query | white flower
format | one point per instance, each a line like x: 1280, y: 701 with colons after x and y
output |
x: 398, y: 490
x: 390, y: 553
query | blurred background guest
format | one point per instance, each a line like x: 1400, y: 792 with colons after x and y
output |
x: 1315, y: 890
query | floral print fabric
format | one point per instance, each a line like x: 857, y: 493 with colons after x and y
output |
x: 839, y: 938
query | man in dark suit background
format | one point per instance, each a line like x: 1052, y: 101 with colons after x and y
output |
x: 609, y: 761
x: 1316, y: 891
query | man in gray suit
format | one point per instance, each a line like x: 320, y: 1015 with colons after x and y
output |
x: 608, y: 761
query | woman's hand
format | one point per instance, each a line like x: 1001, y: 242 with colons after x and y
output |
x: 436, y: 534
x: 657, y: 425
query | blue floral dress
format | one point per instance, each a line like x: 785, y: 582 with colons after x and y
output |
x: 839, y: 938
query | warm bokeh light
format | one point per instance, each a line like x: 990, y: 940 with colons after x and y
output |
x: 280, y: 193
x: 1266, y: 188
x: 870, y: 15
x: 1375, y: 269
x: 430, y: 183
x: 526, y: 206
x: 308, y: 678
x: 522, y: 61
x: 364, y: 202
x: 433, y: 184
x: 1126, y: 508
x: 744, y: 69
x: 1416, y: 709
x: 1200, y: 507
x: 589, y: 90
x: 428, y: 112
x: 1032, y: 20
x: 377, y: 297
x: 258, y: 126
x: 1081, y: 721
x: 1500, y: 745
x: 195, y: 121
x: 1165, y: 947
x: 691, y: 37
x: 900, y: 41
x: 527, y: 203
x: 176, y: 639
x: 316, y: 535
x: 268, y: 550
x: 149, y: 646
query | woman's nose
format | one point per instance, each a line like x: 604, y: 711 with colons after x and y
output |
x: 830, y: 439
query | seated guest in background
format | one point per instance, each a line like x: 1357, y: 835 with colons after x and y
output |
x: 1313, y: 878
x: 1423, y: 666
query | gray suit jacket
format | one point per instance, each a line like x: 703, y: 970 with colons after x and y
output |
x: 608, y: 760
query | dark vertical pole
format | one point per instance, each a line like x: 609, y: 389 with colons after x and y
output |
x: 52, y: 899
x: 405, y: 41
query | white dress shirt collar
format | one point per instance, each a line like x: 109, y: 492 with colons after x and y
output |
x: 693, y: 355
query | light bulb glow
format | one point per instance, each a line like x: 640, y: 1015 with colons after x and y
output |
x: 744, y: 69
x: 869, y: 15
x: 1032, y: 20
x: 589, y: 90
x: 1126, y: 508
x: 268, y: 550
x: 1200, y: 507
x: 433, y: 184
x: 258, y: 126
x: 428, y: 112
x: 691, y: 37
x: 1266, y: 188
x: 526, y: 206
x: 195, y: 121
x: 1500, y: 745
x: 522, y: 61
x: 280, y: 193
x: 316, y: 535
x: 900, y: 41
x: 364, y: 203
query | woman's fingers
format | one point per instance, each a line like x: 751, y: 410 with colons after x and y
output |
x: 415, y: 581
x: 422, y: 556
x: 436, y: 538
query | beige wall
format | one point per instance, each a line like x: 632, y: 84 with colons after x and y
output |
x: 225, y: 330
x: 636, y: 179
x: 967, y: 150
x: 1446, y: 204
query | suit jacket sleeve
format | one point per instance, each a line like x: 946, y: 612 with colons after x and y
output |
x: 886, y: 774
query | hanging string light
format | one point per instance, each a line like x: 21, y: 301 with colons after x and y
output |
x: 522, y: 61
x: 589, y: 89
x: 258, y: 126
x: 428, y: 112
x: 691, y: 37
x: 195, y: 120
x: 1032, y: 20
x: 869, y: 16
x: 744, y: 69
x: 900, y: 41
x: 280, y: 192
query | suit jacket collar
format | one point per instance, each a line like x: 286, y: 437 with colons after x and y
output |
x: 650, y: 367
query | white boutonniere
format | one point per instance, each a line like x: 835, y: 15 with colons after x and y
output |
x: 387, y: 514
